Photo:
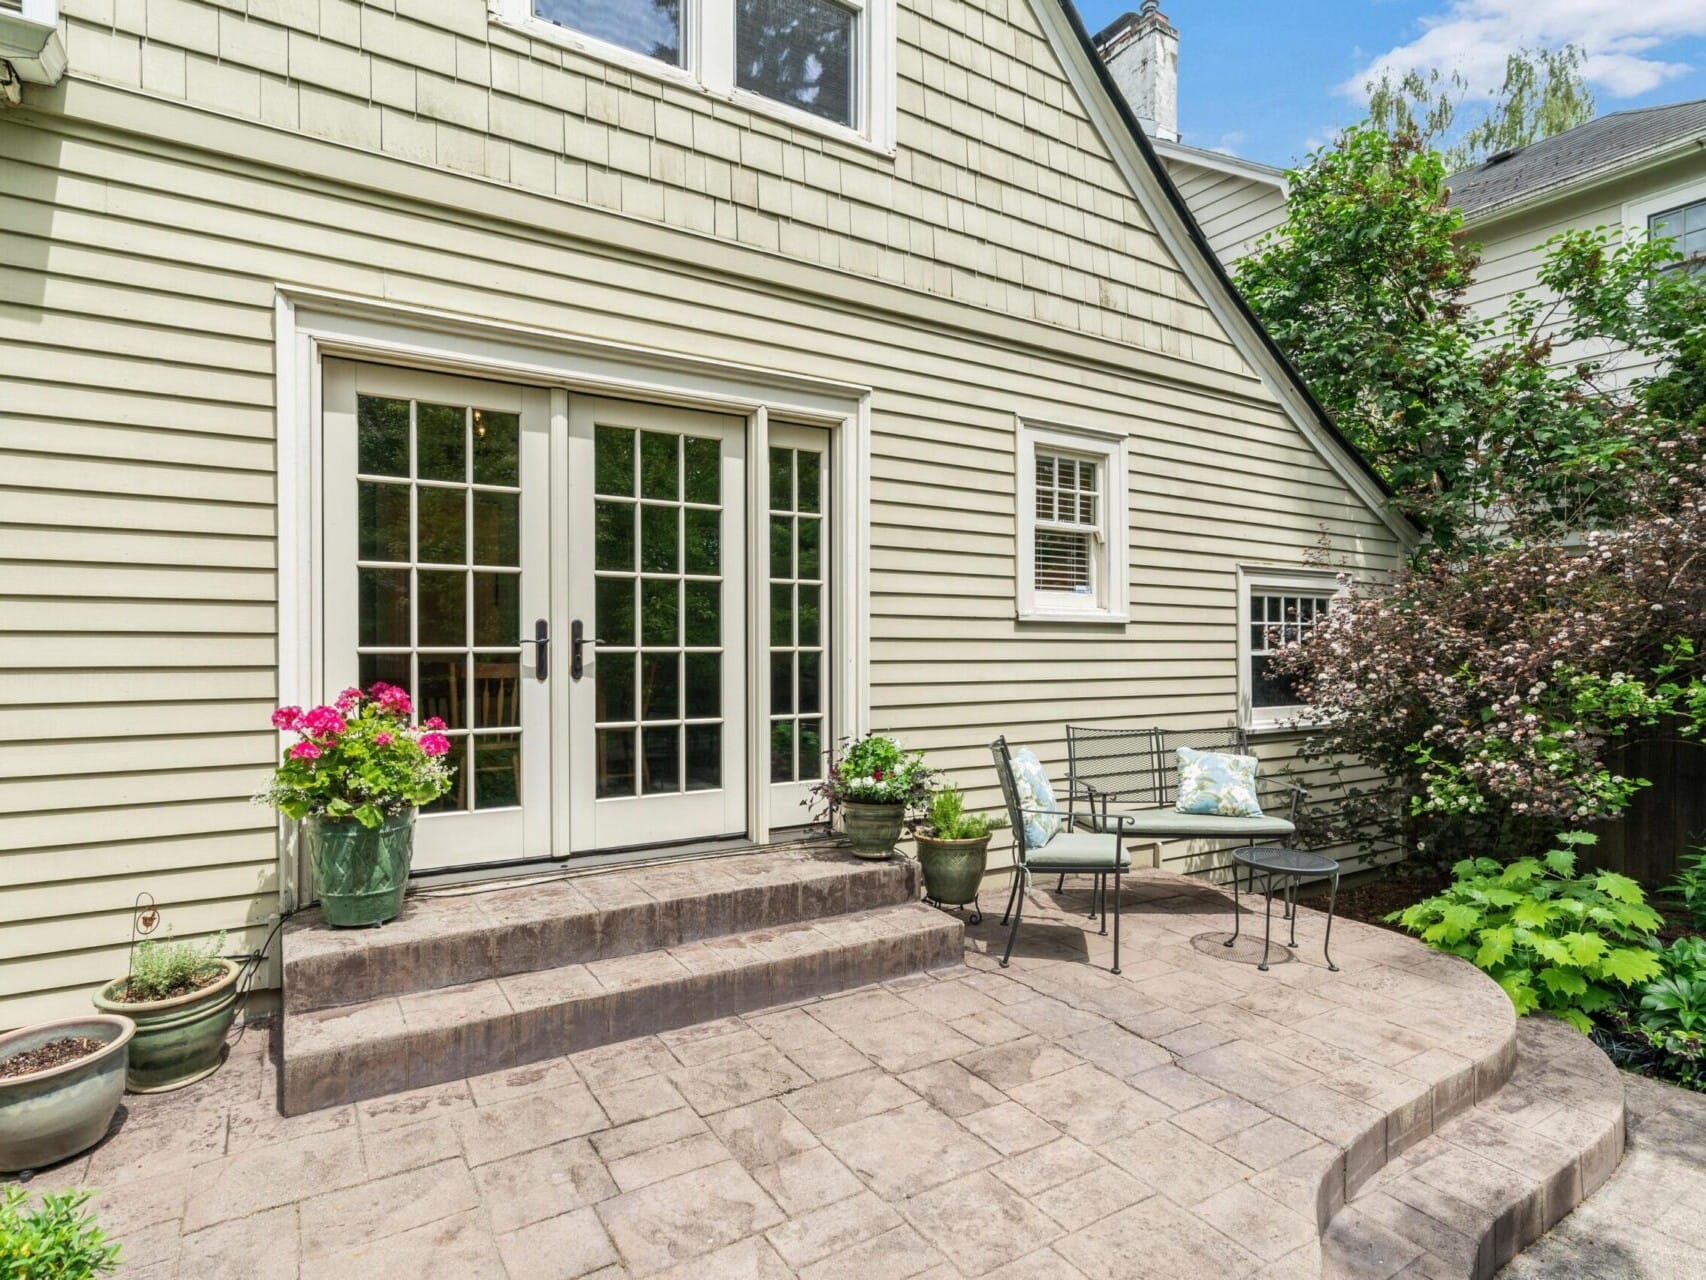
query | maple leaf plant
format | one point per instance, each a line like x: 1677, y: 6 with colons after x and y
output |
x: 1557, y: 942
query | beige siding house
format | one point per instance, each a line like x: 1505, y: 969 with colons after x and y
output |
x: 349, y: 340
x: 1636, y: 172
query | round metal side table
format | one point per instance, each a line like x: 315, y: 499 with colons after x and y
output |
x: 1284, y: 868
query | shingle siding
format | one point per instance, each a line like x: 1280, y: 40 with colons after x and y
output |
x: 142, y: 239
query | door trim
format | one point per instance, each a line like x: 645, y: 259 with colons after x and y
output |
x: 310, y: 326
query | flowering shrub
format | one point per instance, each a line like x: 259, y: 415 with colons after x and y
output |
x: 874, y: 770
x: 358, y: 758
x: 1555, y: 941
x: 1498, y: 686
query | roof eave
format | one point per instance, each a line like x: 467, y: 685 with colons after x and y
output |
x: 1632, y: 166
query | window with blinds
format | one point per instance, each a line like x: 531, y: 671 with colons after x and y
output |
x: 1068, y: 523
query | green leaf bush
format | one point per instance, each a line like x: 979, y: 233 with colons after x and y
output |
x: 55, y: 1240
x: 947, y: 818
x: 1561, y: 943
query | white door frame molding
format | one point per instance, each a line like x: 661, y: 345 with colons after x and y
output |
x: 310, y: 325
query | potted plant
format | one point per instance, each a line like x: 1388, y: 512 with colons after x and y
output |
x: 872, y: 785
x: 182, y: 996
x: 353, y: 779
x: 60, y: 1083
x: 953, y: 848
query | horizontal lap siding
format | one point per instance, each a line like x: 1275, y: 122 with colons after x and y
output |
x: 1234, y: 212
x: 1513, y: 252
x: 138, y: 587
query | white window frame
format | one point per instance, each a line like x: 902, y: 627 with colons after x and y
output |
x: 708, y: 63
x: 1636, y: 213
x: 1271, y: 580
x: 1110, y: 567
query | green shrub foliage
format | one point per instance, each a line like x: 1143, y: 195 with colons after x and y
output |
x: 1676, y: 999
x: 1557, y: 942
x: 1688, y: 888
x: 55, y: 1240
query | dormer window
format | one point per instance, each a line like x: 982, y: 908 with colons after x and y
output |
x: 650, y: 28
x: 801, y: 53
x: 826, y: 65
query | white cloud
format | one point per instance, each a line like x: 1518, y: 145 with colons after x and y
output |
x: 1621, y: 38
x: 1229, y: 142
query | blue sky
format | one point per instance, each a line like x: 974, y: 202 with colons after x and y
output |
x: 1269, y: 81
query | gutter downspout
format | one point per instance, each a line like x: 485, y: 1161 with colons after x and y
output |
x: 31, y: 51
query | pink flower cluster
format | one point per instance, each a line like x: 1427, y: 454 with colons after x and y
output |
x: 321, y: 726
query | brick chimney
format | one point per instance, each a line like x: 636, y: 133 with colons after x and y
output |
x: 1142, y: 53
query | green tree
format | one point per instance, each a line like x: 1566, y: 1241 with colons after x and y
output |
x: 1473, y: 421
x: 1543, y: 93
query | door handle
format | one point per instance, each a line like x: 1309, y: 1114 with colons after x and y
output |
x: 577, y: 647
x: 541, y: 640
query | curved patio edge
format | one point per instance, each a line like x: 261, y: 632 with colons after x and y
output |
x: 1488, y: 1182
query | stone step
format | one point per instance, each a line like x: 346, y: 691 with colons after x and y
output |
x: 1465, y: 1200
x: 453, y: 937
x: 345, y: 1053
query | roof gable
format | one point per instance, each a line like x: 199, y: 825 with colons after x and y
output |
x: 1167, y: 211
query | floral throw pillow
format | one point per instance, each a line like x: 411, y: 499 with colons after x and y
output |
x: 1217, y: 782
x: 1030, y: 780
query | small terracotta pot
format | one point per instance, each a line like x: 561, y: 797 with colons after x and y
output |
x: 49, y: 1116
x: 180, y: 1040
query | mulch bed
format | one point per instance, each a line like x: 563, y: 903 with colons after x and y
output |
x: 1373, y: 900
x: 55, y: 1053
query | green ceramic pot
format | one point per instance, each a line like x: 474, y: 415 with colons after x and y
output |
x: 360, y: 872
x: 51, y: 1115
x: 872, y: 829
x: 953, y: 869
x: 178, y: 1040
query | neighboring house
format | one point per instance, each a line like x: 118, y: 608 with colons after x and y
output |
x: 792, y: 379
x: 1640, y: 172
x: 1235, y: 201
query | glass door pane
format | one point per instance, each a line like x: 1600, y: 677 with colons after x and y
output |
x: 797, y: 560
x: 658, y: 741
x: 442, y: 548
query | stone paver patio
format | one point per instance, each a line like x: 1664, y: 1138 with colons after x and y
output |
x: 1648, y: 1222
x: 1191, y: 1117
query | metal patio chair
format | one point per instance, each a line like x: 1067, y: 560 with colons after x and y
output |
x: 1100, y: 854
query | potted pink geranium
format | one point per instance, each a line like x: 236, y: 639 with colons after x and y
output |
x: 354, y: 778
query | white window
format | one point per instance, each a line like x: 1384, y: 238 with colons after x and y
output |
x: 1072, y: 543
x: 1685, y: 228
x: 1275, y: 609
x: 824, y: 64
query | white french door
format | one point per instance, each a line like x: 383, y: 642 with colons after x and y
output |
x: 436, y: 536
x: 569, y: 594
x: 655, y: 539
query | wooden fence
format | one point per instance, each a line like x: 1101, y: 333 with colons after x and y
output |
x: 1664, y: 820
